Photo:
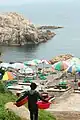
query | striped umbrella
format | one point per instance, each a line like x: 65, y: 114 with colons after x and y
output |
x: 62, y: 65
x: 73, y: 69
x: 8, y: 76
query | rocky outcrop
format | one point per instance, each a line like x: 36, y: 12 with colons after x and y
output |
x: 22, y: 111
x: 16, y: 30
x: 49, y: 27
x: 60, y: 58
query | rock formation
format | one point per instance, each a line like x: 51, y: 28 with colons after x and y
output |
x: 16, y: 30
x: 60, y: 58
x: 22, y: 111
x: 49, y: 27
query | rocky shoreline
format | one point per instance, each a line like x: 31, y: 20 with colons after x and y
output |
x: 15, y: 30
x: 62, y: 57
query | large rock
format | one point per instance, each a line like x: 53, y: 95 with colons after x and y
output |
x: 16, y: 30
x: 22, y: 111
x: 60, y: 58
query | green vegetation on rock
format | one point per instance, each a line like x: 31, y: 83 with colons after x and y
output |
x: 6, y: 114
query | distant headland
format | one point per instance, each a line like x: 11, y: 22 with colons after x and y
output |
x: 16, y: 30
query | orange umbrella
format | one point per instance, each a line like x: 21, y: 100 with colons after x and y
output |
x: 8, y: 76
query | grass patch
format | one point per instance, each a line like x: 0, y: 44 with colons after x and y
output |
x: 7, y: 96
x: 44, y: 115
x: 5, y: 114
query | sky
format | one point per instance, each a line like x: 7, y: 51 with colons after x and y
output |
x: 12, y: 2
x: 20, y: 2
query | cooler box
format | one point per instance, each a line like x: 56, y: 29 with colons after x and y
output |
x: 22, y: 102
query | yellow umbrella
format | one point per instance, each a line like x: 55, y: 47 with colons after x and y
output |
x: 8, y: 76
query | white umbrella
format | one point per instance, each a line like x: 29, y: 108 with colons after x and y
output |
x: 44, y: 62
x: 37, y: 61
x: 17, y: 65
x: 5, y: 65
x: 26, y: 71
x: 29, y: 70
x: 73, y: 61
x: 30, y: 63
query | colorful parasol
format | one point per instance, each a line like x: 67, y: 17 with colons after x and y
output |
x: 8, y: 76
x: 73, y: 69
x: 62, y: 65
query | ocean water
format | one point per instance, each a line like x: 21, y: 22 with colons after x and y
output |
x: 54, y: 12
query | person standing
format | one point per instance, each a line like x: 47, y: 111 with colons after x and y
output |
x: 33, y: 97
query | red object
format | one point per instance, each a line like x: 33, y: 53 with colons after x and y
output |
x: 79, y: 84
x: 43, y: 105
x: 22, y: 102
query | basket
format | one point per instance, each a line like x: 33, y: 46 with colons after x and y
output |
x: 22, y: 102
x: 43, y: 105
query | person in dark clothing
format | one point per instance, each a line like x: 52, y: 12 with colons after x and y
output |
x: 33, y: 97
x: 2, y: 72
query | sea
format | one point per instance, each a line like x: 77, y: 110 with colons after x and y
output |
x: 64, y: 13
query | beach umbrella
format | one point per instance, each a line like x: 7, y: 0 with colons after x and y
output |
x: 37, y: 61
x: 5, y: 65
x: 29, y: 70
x: 73, y: 61
x: 34, y: 62
x: 73, y: 69
x: 44, y: 62
x: 60, y: 66
x: 30, y: 63
x: 17, y: 65
x: 8, y: 76
x: 26, y: 70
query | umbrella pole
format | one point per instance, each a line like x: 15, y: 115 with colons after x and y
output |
x: 43, y: 67
x: 75, y: 82
x: 75, y: 78
x: 17, y: 77
x: 36, y: 72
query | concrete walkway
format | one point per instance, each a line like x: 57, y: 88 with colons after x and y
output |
x: 71, y: 103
